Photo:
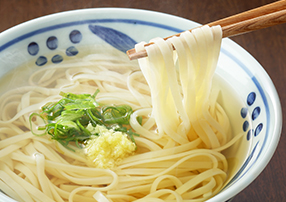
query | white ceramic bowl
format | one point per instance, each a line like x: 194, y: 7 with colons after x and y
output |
x: 53, y: 38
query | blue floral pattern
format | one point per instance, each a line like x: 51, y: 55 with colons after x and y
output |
x: 113, y: 37
x: 250, y: 100
x: 52, y: 43
x: 33, y: 48
x: 75, y: 36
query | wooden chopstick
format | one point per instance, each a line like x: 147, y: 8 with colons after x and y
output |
x: 255, y: 19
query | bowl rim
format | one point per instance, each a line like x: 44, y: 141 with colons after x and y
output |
x: 261, y: 164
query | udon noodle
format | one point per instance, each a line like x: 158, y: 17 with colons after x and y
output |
x: 183, y: 132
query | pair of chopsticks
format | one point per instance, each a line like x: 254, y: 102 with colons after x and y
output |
x: 255, y: 19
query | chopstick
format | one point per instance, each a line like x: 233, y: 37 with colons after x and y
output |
x: 255, y: 19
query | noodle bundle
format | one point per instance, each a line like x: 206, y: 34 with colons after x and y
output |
x: 183, y: 129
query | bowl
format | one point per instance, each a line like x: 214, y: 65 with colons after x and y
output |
x: 58, y: 38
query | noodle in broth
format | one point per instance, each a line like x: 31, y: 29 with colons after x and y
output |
x: 183, y: 132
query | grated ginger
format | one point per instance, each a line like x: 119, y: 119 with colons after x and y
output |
x: 109, y: 148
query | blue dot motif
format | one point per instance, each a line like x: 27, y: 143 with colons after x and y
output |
x: 57, y: 59
x: 33, y: 48
x: 251, y: 98
x: 245, y: 126
x: 243, y: 112
x: 258, y: 129
x: 75, y: 36
x: 255, y: 113
x: 42, y: 60
x: 249, y: 134
x: 71, y: 51
x: 52, y: 43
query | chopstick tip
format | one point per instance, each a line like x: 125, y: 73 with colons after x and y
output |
x: 133, y: 55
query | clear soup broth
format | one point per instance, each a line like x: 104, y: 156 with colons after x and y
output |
x: 20, y: 77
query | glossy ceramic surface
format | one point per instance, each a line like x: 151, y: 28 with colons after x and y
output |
x: 58, y: 37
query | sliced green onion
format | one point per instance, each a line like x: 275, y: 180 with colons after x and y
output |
x: 66, y: 120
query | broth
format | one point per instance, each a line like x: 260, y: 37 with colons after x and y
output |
x: 228, y: 99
